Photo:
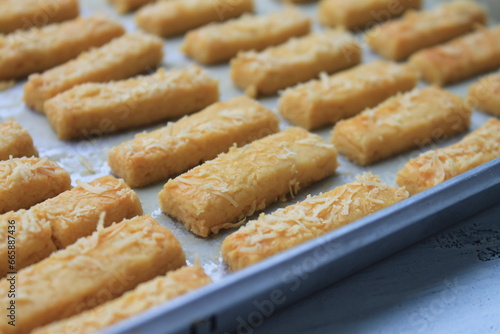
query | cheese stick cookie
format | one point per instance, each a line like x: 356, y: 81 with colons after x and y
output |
x: 436, y: 166
x: 91, y: 272
x: 173, y: 17
x: 295, y: 61
x: 225, y: 190
x: 124, y: 6
x: 114, y: 106
x: 401, y: 123
x: 15, y: 141
x: 145, y: 296
x: 485, y: 94
x: 28, y: 181
x: 326, y: 101
x: 25, y: 239
x: 25, y: 14
x: 53, y: 44
x: 182, y: 145
x: 75, y: 213
x: 219, y: 42
x: 362, y: 14
x: 460, y: 58
x: 398, y: 39
x: 60, y: 221
x: 286, y: 228
x: 121, y: 58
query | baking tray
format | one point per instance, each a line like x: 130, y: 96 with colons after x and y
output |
x: 226, y: 304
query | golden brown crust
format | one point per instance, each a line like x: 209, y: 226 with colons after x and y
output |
x: 124, y: 6
x: 225, y: 190
x: 182, y: 145
x: 25, y: 14
x: 173, y: 17
x: 119, y: 105
x: 485, y: 94
x: 27, y: 181
x: 362, y: 14
x: 121, y: 58
x: 434, y: 167
x: 401, y: 123
x: 15, y: 141
x: 217, y: 43
x: 53, y: 44
x: 322, y: 102
x: 460, y: 58
x: 25, y: 239
x: 75, y: 213
x: 92, y: 271
x: 398, y: 39
x: 297, y: 60
x: 315, y: 216
x: 145, y: 296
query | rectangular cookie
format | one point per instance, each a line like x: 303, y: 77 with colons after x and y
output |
x: 25, y: 239
x: 362, y: 14
x: 92, y: 271
x: 53, y: 45
x: 173, y: 17
x: 174, y: 149
x: 485, y: 94
x: 398, y: 39
x: 401, y: 123
x: 219, y: 42
x: 125, y: 6
x: 121, y: 58
x: 323, y: 102
x: 25, y: 14
x: 58, y: 222
x: 297, y: 60
x: 223, y: 191
x: 145, y: 296
x: 27, y: 181
x: 103, y: 108
x: 460, y: 58
x: 286, y: 228
x: 15, y: 141
x: 436, y: 166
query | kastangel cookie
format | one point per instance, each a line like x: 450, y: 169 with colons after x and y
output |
x: 110, y: 107
x: 315, y: 216
x: 25, y: 239
x: 295, y: 61
x: 219, y: 42
x: 173, y: 17
x: 400, y: 38
x: 143, y: 297
x: 401, y: 123
x: 485, y: 94
x: 28, y: 181
x: 121, y: 58
x: 182, y: 145
x: 460, y: 58
x: 53, y: 45
x: 223, y: 191
x: 362, y: 14
x: 325, y: 101
x: 436, y: 166
x: 124, y: 6
x: 25, y: 14
x: 91, y: 272
x: 15, y: 141
x: 60, y: 221
x: 75, y: 213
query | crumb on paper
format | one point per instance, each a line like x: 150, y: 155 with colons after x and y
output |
x: 86, y: 164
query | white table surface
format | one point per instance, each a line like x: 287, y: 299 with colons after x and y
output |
x: 448, y: 283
